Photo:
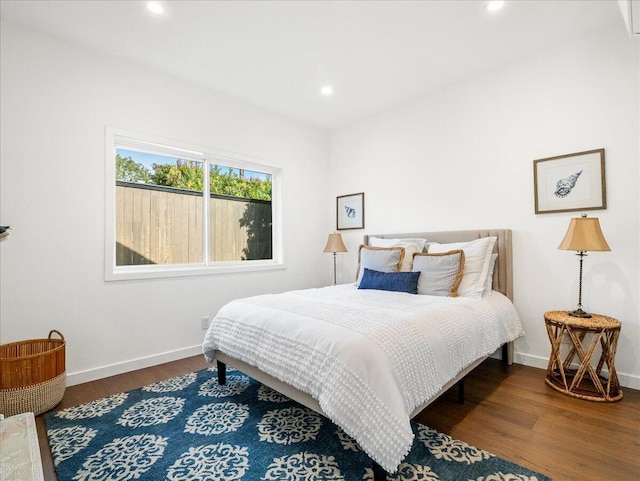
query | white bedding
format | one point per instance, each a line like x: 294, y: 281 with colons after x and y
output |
x: 368, y: 357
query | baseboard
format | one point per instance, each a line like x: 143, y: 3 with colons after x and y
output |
x: 131, y: 365
x: 626, y: 380
x: 529, y: 360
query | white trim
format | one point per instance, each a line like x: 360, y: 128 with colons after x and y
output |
x: 159, y: 148
x: 529, y: 360
x: 155, y: 144
x: 131, y: 365
x: 121, y: 273
x: 630, y: 10
x: 630, y: 381
x: 110, y: 202
x: 206, y: 238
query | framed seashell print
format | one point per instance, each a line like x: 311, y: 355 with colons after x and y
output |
x: 350, y: 211
x: 570, y: 182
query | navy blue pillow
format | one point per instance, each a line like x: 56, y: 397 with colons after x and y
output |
x: 390, y: 281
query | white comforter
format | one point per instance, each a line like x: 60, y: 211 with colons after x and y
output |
x: 368, y: 357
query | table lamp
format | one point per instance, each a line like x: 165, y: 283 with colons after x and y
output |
x: 584, y: 235
x: 334, y: 244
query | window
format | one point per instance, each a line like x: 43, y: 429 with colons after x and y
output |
x: 172, y: 211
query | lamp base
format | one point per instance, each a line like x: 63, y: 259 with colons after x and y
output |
x: 579, y: 313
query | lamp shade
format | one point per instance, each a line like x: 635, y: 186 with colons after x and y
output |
x: 584, y: 235
x: 335, y: 244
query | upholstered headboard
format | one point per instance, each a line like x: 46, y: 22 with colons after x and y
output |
x: 503, y: 270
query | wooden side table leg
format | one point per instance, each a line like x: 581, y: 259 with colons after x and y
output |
x: 572, y: 353
x: 556, y: 333
x: 605, y: 341
x: 609, y: 344
x: 585, y: 361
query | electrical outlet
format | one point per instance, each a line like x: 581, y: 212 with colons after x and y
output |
x: 204, y: 322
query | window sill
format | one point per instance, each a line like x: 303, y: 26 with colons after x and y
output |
x: 125, y: 273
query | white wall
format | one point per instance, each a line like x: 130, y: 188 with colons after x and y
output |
x: 56, y: 101
x: 462, y: 158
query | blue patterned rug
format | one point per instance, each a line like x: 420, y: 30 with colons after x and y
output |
x: 190, y: 428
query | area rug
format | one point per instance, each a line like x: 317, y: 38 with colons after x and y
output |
x: 190, y: 428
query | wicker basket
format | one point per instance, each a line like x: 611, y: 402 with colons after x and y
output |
x: 32, y: 375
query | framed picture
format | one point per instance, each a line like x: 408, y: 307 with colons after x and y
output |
x: 570, y: 182
x: 350, y: 211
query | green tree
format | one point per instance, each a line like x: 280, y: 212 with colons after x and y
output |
x: 129, y: 170
x: 230, y: 183
x: 186, y: 174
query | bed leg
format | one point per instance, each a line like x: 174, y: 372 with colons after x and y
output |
x: 507, y: 354
x: 222, y: 373
x: 379, y: 474
x: 461, y: 391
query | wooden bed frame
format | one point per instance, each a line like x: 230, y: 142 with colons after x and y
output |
x: 502, y: 282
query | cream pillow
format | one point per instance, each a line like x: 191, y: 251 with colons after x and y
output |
x: 440, y: 274
x: 382, y: 259
x: 477, y: 255
x: 411, y: 246
x: 488, y: 284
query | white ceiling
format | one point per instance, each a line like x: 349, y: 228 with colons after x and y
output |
x: 277, y: 54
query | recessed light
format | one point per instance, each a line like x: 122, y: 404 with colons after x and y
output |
x: 155, y: 7
x: 494, y: 5
x: 326, y: 90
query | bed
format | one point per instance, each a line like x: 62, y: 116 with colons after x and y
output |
x: 369, y: 360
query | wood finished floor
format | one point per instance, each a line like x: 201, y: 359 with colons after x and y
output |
x: 510, y: 412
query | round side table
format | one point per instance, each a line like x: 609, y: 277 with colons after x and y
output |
x: 583, y: 335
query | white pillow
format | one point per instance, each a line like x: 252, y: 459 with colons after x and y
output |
x: 477, y: 255
x: 411, y: 246
x: 488, y: 284
x: 382, y: 259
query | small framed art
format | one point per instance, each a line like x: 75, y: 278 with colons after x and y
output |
x: 570, y: 182
x: 350, y: 211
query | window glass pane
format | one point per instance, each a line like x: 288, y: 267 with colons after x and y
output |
x: 159, y: 202
x: 240, y: 215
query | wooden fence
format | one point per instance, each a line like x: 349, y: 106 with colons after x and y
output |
x: 162, y: 225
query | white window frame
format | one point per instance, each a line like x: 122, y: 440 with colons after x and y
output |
x: 118, y: 137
